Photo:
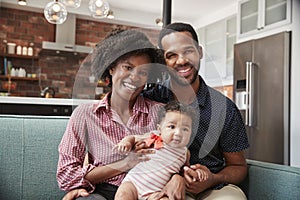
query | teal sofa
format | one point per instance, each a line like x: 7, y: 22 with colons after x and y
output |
x: 28, y: 155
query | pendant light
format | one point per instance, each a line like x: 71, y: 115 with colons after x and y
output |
x: 99, y: 8
x: 55, y: 12
x: 159, y: 22
x: 22, y: 2
x: 71, y: 3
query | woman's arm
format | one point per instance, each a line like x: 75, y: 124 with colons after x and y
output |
x: 71, y: 154
x: 101, y: 173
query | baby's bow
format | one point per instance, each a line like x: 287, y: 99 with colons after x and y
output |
x: 155, y: 140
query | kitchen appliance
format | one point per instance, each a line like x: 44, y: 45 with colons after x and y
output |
x: 65, y: 38
x: 261, y: 91
x: 48, y: 92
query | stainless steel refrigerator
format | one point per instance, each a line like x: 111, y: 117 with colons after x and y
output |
x: 261, y: 91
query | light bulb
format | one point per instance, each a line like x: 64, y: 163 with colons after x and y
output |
x: 99, y: 12
x: 22, y: 2
x: 56, y: 8
x: 99, y: 3
x: 71, y: 3
x: 99, y: 8
x: 55, y: 12
x: 55, y: 17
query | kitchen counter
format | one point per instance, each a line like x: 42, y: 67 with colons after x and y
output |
x: 39, y: 106
x: 43, y: 101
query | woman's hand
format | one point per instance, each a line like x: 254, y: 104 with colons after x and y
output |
x: 174, y: 189
x: 101, y: 173
x: 123, y: 147
x: 130, y: 143
x: 73, y: 194
x: 137, y: 156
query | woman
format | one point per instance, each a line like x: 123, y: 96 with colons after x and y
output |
x: 125, y: 57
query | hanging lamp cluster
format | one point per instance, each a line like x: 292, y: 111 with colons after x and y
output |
x: 56, y: 11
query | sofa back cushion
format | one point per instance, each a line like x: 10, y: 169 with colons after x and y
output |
x: 28, y: 154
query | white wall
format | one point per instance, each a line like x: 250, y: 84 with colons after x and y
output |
x: 295, y: 82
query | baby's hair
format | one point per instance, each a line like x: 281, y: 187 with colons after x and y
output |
x: 176, y: 106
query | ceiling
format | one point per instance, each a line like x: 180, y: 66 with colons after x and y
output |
x: 143, y: 12
x: 181, y: 9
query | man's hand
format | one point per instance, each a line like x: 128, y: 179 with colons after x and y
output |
x: 198, y: 178
x: 174, y: 190
x: 73, y: 194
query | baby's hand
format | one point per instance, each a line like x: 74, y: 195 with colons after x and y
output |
x: 123, y: 147
x: 202, y: 175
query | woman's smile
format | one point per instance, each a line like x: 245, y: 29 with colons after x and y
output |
x: 130, y: 86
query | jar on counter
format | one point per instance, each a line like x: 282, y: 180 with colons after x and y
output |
x: 11, y: 48
x: 24, y: 51
x: 30, y: 51
x: 19, y: 50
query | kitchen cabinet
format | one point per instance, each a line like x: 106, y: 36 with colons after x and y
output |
x: 217, y: 40
x: 255, y: 16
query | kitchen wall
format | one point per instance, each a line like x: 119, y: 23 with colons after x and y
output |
x: 57, y: 71
x: 24, y: 27
x: 227, y: 90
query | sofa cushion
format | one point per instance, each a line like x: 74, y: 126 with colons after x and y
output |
x: 29, y: 156
x: 11, y: 157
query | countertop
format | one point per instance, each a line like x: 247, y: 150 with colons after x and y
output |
x: 43, y: 101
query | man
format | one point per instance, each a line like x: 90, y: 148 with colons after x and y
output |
x: 220, y: 137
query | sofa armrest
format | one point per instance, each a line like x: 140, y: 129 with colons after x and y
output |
x: 271, y: 181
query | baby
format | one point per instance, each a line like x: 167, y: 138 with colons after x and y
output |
x: 170, y: 140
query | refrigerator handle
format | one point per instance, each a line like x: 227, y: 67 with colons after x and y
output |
x: 249, y: 94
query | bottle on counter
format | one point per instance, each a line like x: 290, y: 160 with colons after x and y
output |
x: 13, y: 72
x: 17, y: 72
x: 22, y: 72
